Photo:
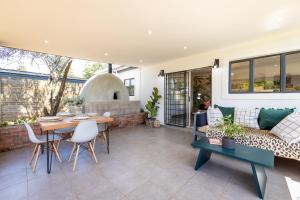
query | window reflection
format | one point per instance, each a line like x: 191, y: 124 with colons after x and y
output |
x: 240, y: 76
x: 293, y: 72
x: 267, y: 74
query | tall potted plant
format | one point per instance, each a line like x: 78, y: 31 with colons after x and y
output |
x: 152, y: 107
x: 231, y: 131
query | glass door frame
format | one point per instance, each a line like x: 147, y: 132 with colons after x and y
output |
x: 170, y: 107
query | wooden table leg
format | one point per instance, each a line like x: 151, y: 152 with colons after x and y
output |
x: 203, y: 157
x: 260, y: 179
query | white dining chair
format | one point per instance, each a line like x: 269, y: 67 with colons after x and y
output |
x: 40, y: 142
x: 84, y: 133
x: 102, y: 128
x: 62, y: 132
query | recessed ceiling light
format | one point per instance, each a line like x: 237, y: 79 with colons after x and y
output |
x: 105, y: 54
x: 149, y: 32
x: 46, y: 41
x: 185, y: 48
x: 141, y: 61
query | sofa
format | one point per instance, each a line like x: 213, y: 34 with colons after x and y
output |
x: 258, y: 138
x: 262, y: 139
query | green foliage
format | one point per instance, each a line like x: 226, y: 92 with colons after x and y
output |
x: 152, y: 104
x: 297, y: 87
x: 21, y: 120
x: 4, y: 123
x: 73, y: 101
x: 180, y: 85
x: 231, y: 129
x: 199, y: 103
x: 92, y: 70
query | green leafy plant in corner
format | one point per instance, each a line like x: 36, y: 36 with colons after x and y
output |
x: 152, y: 104
x: 231, y: 129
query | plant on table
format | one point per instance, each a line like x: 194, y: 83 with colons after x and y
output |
x: 231, y: 131
x: 74, y: 103
x: 152, y: 106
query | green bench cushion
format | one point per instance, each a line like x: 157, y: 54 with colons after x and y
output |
x: 226, y: 111
x: 268, y: 118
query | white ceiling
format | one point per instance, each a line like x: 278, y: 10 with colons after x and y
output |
x: 88, y: 29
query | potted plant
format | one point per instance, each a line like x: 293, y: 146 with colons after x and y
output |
x: 74, y: 104
x: 231, y: 131
x: 152, y: 107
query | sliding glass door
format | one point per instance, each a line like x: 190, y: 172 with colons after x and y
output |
x: 176, y: 99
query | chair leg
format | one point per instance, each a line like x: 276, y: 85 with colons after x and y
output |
x: 57, y: 146
x: 33, y: 154
x: 73, y: 149
x: 56, y: 152
x: 94, y: 142
x: 104, y: 136
x: 93, y: 152
x: 77, y: 152
x: 36, y: 157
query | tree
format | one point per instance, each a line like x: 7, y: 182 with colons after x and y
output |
x: 92, y: 70
x: 59, y: 67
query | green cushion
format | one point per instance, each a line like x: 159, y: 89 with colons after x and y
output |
x: 226, y: 111
x: 268, y: 118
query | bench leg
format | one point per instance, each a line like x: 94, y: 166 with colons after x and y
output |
x: 260, y: 179
x: 203, y: 157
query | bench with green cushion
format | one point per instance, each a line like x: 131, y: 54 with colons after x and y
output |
x: 262, y: 139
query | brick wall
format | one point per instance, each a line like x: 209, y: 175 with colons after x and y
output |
x: 129, y: 120
x: 26, y: 97
x: 14, y: 137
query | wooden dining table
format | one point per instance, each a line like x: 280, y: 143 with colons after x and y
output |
x: 69, y: 122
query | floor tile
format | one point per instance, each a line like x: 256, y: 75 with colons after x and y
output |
x: 144, y: 163
x: 16, y: 191
x: 148, y: 191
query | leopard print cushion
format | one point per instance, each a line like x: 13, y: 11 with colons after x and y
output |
x: 262, y: 139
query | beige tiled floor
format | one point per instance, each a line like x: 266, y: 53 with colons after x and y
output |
x: 144, y: 163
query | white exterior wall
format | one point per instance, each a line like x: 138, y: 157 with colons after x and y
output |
x: 134, y: 73
x: 269, y: 45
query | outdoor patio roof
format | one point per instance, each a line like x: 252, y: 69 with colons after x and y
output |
x: 140, y: 32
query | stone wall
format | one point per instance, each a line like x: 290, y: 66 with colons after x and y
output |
x: 13, y: 137
x: 26, y: 97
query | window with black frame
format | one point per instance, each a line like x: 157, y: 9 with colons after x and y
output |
x: 292, y: 72
x: 129, y: 84
x: 267, y: 74
x: 240, y: 76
